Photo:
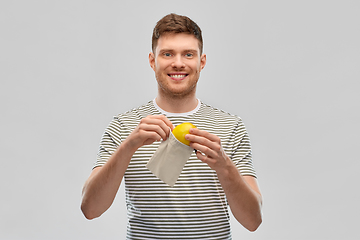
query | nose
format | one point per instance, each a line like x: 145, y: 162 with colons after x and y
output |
x: 178, y: 62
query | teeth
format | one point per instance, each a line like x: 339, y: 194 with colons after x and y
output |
x: 177, y: 76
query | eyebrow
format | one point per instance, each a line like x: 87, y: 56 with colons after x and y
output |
x: 172, y: 50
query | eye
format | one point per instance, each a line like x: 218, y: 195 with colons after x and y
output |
x: 167, y: 54
x: 189, y: 55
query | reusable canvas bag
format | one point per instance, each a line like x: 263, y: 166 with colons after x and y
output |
x: 169, y: 160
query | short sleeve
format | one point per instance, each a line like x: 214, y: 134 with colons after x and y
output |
x: 241, y: 150
x: 110, y: 141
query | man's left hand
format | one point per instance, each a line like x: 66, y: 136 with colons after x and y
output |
x: 209, y: 149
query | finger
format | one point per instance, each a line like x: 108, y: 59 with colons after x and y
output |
x: 204, y: 158
x: 167, y: 122
x: 204, y: 150
x: 157, y: 124
x: 151, y: 137
x: 155, y: 127
x: 205, y: 134
x: 163, y: 118
x: 202, y: 142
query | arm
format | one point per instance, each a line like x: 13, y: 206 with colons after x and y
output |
x: 101, y: 187
x: 242, y: 192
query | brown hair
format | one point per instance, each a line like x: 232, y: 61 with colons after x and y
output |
x: 173, y: 23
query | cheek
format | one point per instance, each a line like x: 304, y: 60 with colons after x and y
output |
x: 160, y: 66
x: 198, y: 67
x: 157, y: 65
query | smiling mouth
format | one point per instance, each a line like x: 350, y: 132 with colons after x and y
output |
x: 178, y: 76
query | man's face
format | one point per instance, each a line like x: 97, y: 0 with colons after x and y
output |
x: 177, y: 64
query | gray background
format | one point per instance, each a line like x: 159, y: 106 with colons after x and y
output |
x: 290, y: 69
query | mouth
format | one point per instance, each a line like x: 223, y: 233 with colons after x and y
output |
x: 178, y: 76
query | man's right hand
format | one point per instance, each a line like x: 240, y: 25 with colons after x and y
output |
x: 100, y: 189
x: 150, y: 129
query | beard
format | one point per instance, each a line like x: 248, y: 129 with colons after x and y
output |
x: 176, y: 90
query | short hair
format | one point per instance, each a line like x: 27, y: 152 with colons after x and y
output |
x: 174, y: 23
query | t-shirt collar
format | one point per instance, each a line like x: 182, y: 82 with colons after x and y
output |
x: 169, y: 114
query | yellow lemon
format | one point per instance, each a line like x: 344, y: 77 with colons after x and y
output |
x: 181, y: 130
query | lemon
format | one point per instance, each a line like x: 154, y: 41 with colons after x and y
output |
x: 181, y: 130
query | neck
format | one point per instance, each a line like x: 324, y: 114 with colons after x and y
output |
x: 177, y: 105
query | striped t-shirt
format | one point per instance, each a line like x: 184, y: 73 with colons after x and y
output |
x: 196, y: 206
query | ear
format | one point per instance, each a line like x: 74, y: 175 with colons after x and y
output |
x: 152, y: 60
x: 202, y: 61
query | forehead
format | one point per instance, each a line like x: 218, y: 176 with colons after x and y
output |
x: 177, y: 42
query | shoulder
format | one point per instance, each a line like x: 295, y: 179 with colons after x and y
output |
x: 131, y: 118
x: 217, y: 121
x: 212, y: 112
x: 137, y: 113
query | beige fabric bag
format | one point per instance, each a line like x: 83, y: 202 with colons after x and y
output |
x: 169, y: 160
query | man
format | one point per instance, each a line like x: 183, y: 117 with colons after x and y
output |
x: 219, y: 174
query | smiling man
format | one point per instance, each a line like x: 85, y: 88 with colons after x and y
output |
x: 218, y: 175
x: 177, y: 62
